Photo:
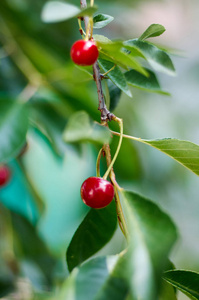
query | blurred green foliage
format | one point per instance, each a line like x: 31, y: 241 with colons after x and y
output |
x: 40, y: 208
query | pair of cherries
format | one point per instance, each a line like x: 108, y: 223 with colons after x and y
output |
x: 96, y: 192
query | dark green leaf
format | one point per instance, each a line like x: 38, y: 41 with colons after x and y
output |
x: 151, y: 235
x: 116, y: 75
x: 152, y: 31
x: 80, y: 128
x: 114, y: 95
x: 93, y: 233
x: 157, y: 58
x: 101, y: 20
x: 13, y: 128
x: 57, y: 11
x: 149, y: 84
x: 184, y: 152
x: 186, y: 281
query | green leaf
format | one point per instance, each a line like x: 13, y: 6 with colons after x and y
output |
x: 186, y: 281
x: 167, y: 292
x: 46, y: 118
x: 114, y: 95
x: 116, y: 75
x: 149, y: 84
x: 151, y: 235
x: 157, y: 58
x: 80, y: 128
x: 93, y: 233
x: 115, y: 52
x: 29, y: 245
x: 57, y: 11
x: 101, y: 20
x: 13, y: 128
x: 184, y: 152
x: 152, y: 31
x: 89, y: 281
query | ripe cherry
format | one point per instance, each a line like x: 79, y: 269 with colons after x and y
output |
x: 84, y: 53
x: 4, y: 175
x: 97, y: 192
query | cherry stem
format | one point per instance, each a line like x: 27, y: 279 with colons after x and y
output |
x: 120, y: 122
x: 109, y: 70
x: 98, y: 163
x: 120, y: 215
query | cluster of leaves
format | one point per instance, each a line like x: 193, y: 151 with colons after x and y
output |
x: 139, y: 271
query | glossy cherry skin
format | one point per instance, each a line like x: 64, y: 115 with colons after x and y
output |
x: 84, y: 53
x: 97, y: 192
x: 4, y: 175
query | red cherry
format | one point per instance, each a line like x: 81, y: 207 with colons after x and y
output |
x: 84, y: 53
x: 97, y: 192
x: 4, y: 175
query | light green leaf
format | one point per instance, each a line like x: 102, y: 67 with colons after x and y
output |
x: 116, y: 75
x: 57, y: 11
x: 115, y: 52
x: 81, y: 128
x: 157, y: 58
x: 184, y: 152
x: 101, y: 20
x: 87, y: 281
x: 149, y: 84
x: 152, y: 31
x: 93, y: 233
x: 151, y: 234
x: 167, y: 292
x: 186, y: 281
x: 13, y: 128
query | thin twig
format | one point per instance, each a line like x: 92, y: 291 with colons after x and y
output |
x: 105, y: 113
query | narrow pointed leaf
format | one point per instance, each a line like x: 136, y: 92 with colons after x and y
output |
x: 186, y: 281
x: 57, y: 11
x: 158, y: 59
x: 184, y: 152
x: 116, y: 75
x: 152, y: 31
x: 101, y: 20
x: 151, y: 236
x: 81, y: 128
x: 13, y: 128
x: 93, y: 233
x: 149, y: 84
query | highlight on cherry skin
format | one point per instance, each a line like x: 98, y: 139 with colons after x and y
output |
x: 97, y: 192
x: 4, y: 175
x: 84, y: 53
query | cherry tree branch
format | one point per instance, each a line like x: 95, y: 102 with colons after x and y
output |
x: 106, y: 115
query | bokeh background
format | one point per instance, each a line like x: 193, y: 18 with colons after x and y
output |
x: 45, y: 182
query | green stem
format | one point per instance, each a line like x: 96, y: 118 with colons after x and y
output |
x: 120, y: 215
x: 120, y: 121
x: 98, y: 163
